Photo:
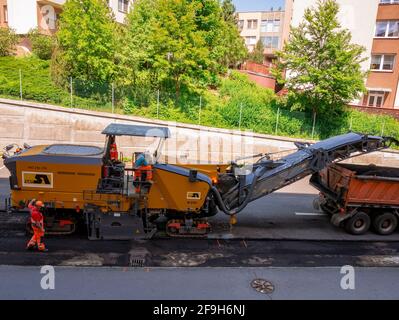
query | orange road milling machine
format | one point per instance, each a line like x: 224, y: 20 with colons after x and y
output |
x: 89, y: 185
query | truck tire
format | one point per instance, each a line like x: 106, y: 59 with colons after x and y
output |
x: 358, y: 224
x: 385, y: 224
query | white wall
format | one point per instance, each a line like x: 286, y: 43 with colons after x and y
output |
x: 396, y: 105
x: 359, y: 16
x: 119, y: 16
x: 22, y: 15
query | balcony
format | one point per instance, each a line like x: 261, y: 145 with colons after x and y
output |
x: 47, y: 15
x: 57, y: 3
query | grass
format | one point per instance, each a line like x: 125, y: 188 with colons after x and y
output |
x: 37, y: 84
x: 237, y: 98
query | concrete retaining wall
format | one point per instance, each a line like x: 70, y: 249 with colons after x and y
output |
x: 46, y: 124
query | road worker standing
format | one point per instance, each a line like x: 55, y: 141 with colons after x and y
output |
x: 37, y: 222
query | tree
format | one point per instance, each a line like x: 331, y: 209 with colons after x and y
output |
x: 164, y: 44
x: 233, y: 49
x: 42, y: 45
x: 258, y: 54
x: 86, y: 41
x: 8, y: 41
x: 323, y: 66
x: 229, y: 12
x: 179, y: 42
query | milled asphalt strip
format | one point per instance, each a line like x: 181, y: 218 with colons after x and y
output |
x: 196, y: 283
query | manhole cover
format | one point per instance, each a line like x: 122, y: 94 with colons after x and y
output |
x: 262, y: 286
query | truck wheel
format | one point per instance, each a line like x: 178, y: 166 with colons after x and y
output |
x: 386, y: 223
x: 358, y: 224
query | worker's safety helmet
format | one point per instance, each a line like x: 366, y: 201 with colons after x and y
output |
x: 39, y: 204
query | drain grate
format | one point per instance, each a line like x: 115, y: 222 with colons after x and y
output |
x: 262, y: 286
x: 139, y: 263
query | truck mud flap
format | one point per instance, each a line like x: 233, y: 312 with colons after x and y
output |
x: 114, y: 226
x: 338, y: 218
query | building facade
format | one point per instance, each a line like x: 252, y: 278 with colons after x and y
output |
x: 266, y: 26
x: 383, y: 80
x: 3, y: 13
x: 24, y: 15
x: 374, y: 24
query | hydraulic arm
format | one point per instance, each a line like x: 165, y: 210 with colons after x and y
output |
x: 267, y: 176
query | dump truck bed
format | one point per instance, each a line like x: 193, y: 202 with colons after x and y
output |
x: 357, y: 185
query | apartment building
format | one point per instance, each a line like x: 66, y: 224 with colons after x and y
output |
x: 267, y: 26
x: 24, y: 15
x: 383, y: 80
x: 374, y: 24
x: 3, y: 13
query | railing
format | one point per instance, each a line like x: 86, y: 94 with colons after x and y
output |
x: 377, y: 110
x: 256, y: 67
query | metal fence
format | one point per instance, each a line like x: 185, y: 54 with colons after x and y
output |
x: 109, y: 97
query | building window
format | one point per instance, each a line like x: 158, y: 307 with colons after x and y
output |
x: 387, y: 29
x: 250, y: 41
x: 266, y: 26
x: 382, y: 62
x: 241, y: 25
x: 375, y: 99
x: 263, y: 25
x: 252, y: 24
x: 123, y: 5
x: 389, y: 1
x: 270, y: 26
x: 5, y: 14
x: 270, y: 42
x: 276, y: 26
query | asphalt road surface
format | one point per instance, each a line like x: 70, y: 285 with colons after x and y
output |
x: 280, y: 238
x: 197, y: 283
x: 284, y: 215
x: 270, y: 233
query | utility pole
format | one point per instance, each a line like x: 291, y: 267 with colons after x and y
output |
x: 158, y: 104
x: 199, y: 112
x: 71, y: 92
x: 314, y: 124
x: 113, y: 97
x: 277, y: 120
x: 239, y: 123
x: 20, y: 84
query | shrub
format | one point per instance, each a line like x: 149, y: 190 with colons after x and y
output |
x: 8, y: 41
x: 42, y: 45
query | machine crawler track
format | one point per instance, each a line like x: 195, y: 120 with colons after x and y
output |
x: 179, y: 229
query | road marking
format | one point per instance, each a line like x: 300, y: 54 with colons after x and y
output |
x: 310, y: 214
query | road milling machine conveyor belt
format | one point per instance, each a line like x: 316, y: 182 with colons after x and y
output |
x: 94, y: 187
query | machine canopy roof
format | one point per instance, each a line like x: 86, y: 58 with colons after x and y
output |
x: 116, y: 129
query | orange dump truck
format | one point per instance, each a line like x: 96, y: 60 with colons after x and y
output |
x: 359, y: 197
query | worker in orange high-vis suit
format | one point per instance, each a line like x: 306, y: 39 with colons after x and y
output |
x: 113, y: 151
x: 143, y: 170
x: 37, y: 222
